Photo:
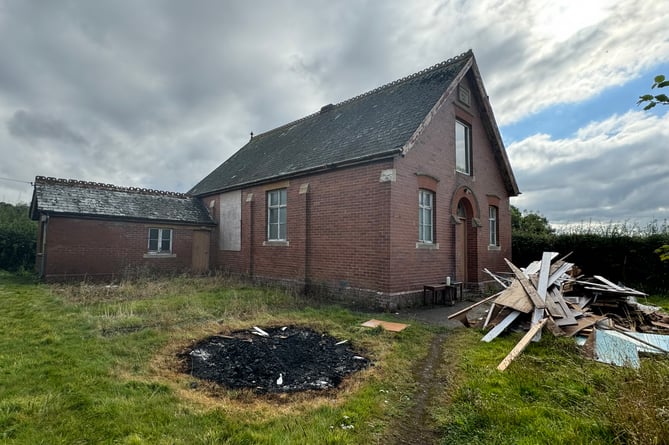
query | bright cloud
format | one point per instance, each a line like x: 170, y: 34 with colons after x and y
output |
x: 616, y: 169
x: 157, y: 94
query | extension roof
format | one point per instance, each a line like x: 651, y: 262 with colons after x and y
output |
x: 90, y: 199
x: 378, y: 124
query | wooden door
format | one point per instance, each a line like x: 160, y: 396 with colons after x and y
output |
x: 461, y: 244
x: 200, y: 261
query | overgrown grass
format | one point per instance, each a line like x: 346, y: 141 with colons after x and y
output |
x: 95, y: 364
x: 551, y: 394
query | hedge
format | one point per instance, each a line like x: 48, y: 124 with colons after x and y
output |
x: 17, y: 249
x: 630, y: 260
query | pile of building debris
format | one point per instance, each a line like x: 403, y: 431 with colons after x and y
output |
x: 603, y: 316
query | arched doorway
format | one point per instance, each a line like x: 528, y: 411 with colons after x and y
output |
x: 465, y: 242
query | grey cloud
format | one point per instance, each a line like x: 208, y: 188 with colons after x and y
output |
x: 157, y: 93
x: 26, y: 125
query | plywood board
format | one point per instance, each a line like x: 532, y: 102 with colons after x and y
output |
x: 387, y: 325
x: 516, y: 298
x: 531, y: 291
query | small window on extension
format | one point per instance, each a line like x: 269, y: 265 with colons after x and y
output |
x: 160, y: 240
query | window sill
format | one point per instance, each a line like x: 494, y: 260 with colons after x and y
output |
x: 276, y: 243
x: 427, y: 246
x: 160, y: 255
x: 495, y: 248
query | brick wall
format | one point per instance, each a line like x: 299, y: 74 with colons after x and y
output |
x: 356, y: 235
x: 337, y: 230
x: 100, y: 249
x: 433, y: 156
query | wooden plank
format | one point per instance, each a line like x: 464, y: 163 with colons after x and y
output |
x: 554, y: 328
x: 496, y: 278
x: 569, y: 316
x: 581, y: 324
x: 622, y: 289
x: 494, y: 332
x: 542, y: 288
x: 522, y: 344
x: 620, y: 293
x: 559, y: 299
x: 516, y: 298
x: 659, y: 324
x: 532, y: 268
x: 531, y: 291
x: 489, y: 316
x: 607, y: 282
x: 562, y: 270
x: 553, y: 307
x: 535, y: 266
x: 387, y: 325
x: 468, y: 308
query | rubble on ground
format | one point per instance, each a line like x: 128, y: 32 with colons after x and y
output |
x: 605, y: 316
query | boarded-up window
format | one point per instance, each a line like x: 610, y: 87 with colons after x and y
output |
x: 230, y: 223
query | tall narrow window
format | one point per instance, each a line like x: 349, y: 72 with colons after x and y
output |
x: 463, y: 148
x: 160, y: 240
x: 494, y: 227
x: 276, y: 215
x: 425, y: 216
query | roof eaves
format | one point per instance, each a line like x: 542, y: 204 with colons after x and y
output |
x: 323, y: 167
x: 127, y: 218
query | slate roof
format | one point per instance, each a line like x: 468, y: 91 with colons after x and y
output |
x: 373, y: 125
x: 81, y: 198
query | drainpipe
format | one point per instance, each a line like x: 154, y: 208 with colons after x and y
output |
x: 249, y: 201
x: 304, y: 190
x: 44, y: 219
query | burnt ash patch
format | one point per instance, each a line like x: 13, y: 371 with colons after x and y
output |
x: 290, y: 359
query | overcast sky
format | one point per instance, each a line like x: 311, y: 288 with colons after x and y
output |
x: 158, y: 93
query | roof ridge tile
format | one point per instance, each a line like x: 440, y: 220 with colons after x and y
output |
x: 438, y: 65
x: 110, y: 187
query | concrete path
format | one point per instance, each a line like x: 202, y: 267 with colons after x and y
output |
x: 438, y: 314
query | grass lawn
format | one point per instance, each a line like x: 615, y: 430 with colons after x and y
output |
x: 87, y: 364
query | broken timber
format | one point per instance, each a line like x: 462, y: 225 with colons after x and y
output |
x: 556, y: 295
x: 522, y: 344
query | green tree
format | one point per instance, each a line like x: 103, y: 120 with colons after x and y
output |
x: 663, y: 251
x: 529, y: 222
x: 17, y: 237
x: 651, y: 100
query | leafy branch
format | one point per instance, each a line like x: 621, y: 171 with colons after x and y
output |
x: 650, y: 100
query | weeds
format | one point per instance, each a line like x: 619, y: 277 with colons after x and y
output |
x: 91, y: 363
x: 552, y: 395
x: 94, y: 364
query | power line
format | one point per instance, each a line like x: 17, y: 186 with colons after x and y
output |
x: 16, y: 180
